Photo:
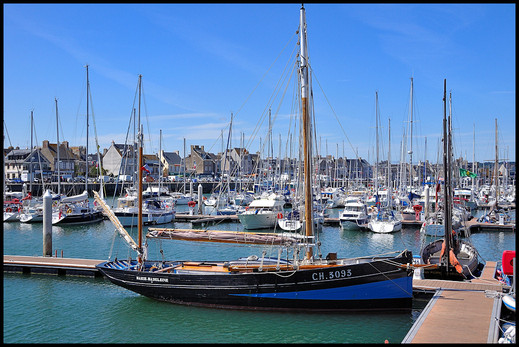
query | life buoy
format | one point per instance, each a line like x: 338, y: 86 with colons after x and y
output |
x: 204, y: 198
x: 417, y: 208
x: 246, y: 208
x: 191, y: 203
x: 8, y: 209
x: 280, y: 215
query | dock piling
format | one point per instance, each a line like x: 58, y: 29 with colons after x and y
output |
x: 47, y: 224
x: 200, y: 198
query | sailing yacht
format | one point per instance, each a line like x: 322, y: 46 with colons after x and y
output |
x: 304, y: 282
x: 383, y: 219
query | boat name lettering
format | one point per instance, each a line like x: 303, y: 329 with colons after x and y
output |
x: 151, y: 279
x: 320, y: 276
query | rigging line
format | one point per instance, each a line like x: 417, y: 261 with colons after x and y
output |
x: 383, y: 274
x: 337, y: 118
x: 99, y: 164
x: 258, y: 125
x: 266, y: 72
x: 260, y: 122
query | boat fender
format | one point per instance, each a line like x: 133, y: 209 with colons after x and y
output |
x: 454, y: 262
x: 507, y: 262
x: 69, y: 210
x: 280, y: 215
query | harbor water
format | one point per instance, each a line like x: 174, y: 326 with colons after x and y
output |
x: 68, y: 309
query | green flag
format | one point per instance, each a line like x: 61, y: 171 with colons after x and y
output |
x: 465, y: 173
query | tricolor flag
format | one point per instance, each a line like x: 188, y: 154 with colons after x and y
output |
x: 146, y: 168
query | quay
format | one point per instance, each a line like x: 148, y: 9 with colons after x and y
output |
x: 51, y: 266
x: 474, y: 226
x: 201, y: 218
x: 459, y: 312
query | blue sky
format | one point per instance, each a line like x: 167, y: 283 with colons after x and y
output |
x: 201, y: 62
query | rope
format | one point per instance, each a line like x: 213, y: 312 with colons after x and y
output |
x: 383, y: 274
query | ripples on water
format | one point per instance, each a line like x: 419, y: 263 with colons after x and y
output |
x: 52, y: 309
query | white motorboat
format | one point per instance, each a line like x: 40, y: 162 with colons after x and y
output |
x: 262, y: 213
x: 355, y: 213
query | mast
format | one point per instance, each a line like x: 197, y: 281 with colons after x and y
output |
x: 473, y: 155
x: 376, y: 151
x: 184, y: 169
x: 447, y: 207
x: 139, y: 191
x: 86, y: 154
x: 306, y: 132
x: 411, y: 136
x: 30, y: 166
x: 389, y: 199
x: 496, y: 170
x: 160, y: 161
x: 57, y: 145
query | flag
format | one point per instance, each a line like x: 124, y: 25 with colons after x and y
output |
x: 146, y: 168
x: 467, y: 173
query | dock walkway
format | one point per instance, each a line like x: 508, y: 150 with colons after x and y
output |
x: 474, y: 226
x: 51, y: 265
x: 459, y: 312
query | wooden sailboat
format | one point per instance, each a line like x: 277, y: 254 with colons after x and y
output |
x: 306, y: 283
x: 456, y: 259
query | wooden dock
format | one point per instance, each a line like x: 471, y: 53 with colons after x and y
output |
x: 51, y: 265
x: 459, y: 312
x: 201, y: 218
x: 474, y: 226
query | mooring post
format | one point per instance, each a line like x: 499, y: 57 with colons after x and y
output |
x: 47, y: 224
x: 200, y: 198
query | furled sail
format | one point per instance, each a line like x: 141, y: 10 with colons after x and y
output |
x: 286, y: 239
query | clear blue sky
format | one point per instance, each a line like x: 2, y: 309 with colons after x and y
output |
x: 202, y: 62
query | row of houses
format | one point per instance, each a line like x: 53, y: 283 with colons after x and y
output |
x: 120, y: 159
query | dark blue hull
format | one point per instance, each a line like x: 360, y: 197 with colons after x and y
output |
x: 372, y: 284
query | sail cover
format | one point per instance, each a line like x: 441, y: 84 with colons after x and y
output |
x: 286, y: 239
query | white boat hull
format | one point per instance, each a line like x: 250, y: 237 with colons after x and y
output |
x: 290, y: 224
x: 385, y: 227
x: 258, y: 220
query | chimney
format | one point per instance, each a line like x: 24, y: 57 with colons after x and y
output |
x: 45, y: 143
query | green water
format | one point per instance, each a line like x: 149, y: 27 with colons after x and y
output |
x: 56, y: 309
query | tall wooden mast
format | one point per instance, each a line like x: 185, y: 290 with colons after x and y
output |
x: 305, y: 93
